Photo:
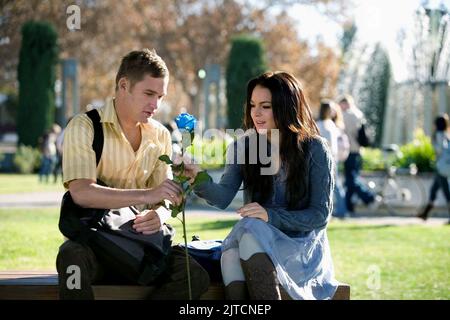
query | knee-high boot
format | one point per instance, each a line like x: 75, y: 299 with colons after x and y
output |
x: 236, y: 290
x: 261, y: 277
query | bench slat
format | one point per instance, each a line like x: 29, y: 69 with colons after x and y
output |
x: 24, y: 285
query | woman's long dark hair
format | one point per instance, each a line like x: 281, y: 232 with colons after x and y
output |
x: 294, y: 120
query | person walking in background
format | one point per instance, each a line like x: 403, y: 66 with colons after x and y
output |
x: 353, y: 120
x: 342, y: 141
x: 332, y: 133
x: 441, y: 139
x: 49, y: 153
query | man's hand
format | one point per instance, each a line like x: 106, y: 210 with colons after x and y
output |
x: 147, y: 222
x: 168, y: 190
x: 253, y: 210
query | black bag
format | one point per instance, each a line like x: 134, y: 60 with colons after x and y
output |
x: 363, y: 139
x: 109, y: 233
x: 207, y: 253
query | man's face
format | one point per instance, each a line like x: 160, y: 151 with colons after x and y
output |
x: 344, y: 105
x: 145, y: 97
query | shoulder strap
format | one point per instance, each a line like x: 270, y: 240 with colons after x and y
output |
x: 97, y: 143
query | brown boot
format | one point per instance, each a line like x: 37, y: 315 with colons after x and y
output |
x: 261, y: 276
x: 236, y: 290
x: 424, y: 214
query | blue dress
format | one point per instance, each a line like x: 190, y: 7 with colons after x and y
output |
x: 295, y: 240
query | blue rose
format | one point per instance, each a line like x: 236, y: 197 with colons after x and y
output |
x: 186, y: 121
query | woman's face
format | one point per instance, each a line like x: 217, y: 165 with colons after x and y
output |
x: 261, y: 109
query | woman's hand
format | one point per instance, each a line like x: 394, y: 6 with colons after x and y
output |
x: 190, y: 168
x: 254, y: 210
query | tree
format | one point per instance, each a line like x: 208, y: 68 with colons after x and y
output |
x: 246, y: 60
x: 348, y: 36
x: 374, y: 91
x: 188, y: 34
x: 36, y: 74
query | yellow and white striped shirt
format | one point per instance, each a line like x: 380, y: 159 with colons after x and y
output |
x: 120, y: 167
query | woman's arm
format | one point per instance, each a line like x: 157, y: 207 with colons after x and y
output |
x: 221, y: 194
x: 321, y: 184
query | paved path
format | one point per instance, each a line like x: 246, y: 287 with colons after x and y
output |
x: 52, y: 200
x: 31, y: 199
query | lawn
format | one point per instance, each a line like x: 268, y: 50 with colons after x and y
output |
x: 19, y: 183
x: 379, y: 262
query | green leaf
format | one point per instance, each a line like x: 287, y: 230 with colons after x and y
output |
x: 165, y: 158
x: 178, y: 167
x: 175, y: 211
x: 201, y: 177
x: 181, y: 179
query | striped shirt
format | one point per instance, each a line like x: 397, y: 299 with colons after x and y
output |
x: 120, y: 166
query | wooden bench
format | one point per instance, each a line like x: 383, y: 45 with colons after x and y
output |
x: 35, y: 285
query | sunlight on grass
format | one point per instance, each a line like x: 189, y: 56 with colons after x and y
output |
x: 19, y: 183
x: 412, y: 260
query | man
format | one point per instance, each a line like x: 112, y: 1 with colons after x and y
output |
x: 129, y: 166
x: 353, y: 119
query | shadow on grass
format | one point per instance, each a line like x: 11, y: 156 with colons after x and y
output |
x: 360, y: 227
x: 213, y: 225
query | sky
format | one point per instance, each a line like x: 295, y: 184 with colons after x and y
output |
x: 376, y: 21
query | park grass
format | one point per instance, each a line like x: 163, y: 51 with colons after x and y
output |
x: 411, y: 261
x: 20, y: 183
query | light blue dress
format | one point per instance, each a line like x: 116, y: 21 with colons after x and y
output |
x: 295, y: 240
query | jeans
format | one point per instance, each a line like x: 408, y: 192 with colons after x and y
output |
x: 352, y: 166
x: 439, y: 182
x: 339, y: 208
x: 171, y: 285
x: 46, y: 168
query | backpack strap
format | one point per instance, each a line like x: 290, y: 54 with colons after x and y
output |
x: 97, y: 143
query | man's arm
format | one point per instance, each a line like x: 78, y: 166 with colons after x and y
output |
x: 88, y: 194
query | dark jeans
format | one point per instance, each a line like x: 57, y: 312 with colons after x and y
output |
x: 352, y: 166
x: 439, y: 182
x: 171, y: 285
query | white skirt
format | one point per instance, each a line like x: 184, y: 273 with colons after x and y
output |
x: 304, y: 265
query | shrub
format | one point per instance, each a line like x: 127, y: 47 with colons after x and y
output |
x: 36, y: 73
x: 209, y: 153
x: 420, y: 151
x: 245, y: 61
x: 372, y: 159
x: 27, y: 159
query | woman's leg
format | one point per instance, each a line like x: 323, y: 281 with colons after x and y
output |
x: 445, y: 188
x: 423, y: 214
x: 233, y: 275
x: 259, y: 271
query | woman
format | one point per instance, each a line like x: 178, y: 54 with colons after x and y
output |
x: 329, y: 130
x: 281, y: 242
x: 441, y: 137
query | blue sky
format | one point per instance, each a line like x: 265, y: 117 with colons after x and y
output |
x: 377, y: 21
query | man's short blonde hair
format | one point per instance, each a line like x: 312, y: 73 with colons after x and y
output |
x: 136, y: 64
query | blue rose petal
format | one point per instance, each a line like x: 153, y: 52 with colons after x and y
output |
x: 186, y: 121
